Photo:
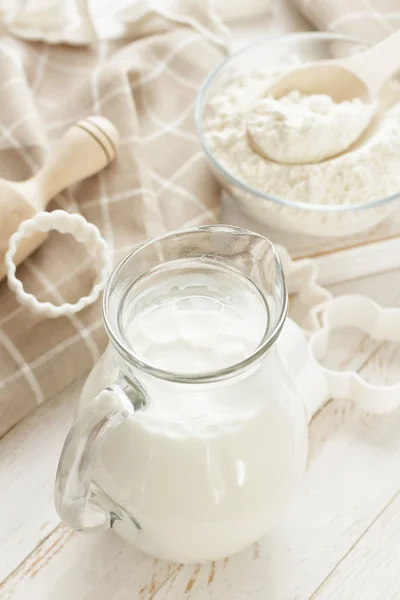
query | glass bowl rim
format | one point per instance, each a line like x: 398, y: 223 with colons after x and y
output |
x: 198, y: 111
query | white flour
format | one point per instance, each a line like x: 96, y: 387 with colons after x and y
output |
x: 302, y: 129
x: 367, y: 172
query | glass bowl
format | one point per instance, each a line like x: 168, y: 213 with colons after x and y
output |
x: 326, y: 220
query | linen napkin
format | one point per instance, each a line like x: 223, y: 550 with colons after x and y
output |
x: 369, y: 20
x: 78, y: 21
x: 146, y: 86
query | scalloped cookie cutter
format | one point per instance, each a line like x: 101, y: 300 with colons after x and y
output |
x: 382, y: 324
x: 83, y: 232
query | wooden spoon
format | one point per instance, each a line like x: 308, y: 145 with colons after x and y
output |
x: 86, y: 148
x: 360, y: 76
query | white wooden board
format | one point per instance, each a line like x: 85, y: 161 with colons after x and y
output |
x: 376, y: 553
x: 352, y: 477
x: 28, y: 461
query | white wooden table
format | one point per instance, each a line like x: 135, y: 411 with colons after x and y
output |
x: 339, y: 540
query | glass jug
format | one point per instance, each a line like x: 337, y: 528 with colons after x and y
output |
x: 190, y: 436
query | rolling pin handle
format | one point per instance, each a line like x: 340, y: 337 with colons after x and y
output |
x: 86, y: 148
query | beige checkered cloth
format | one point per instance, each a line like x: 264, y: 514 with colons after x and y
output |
x: 147, y: 87
x: 369, y: 20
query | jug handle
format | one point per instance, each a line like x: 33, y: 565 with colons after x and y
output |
x: 75, y: 501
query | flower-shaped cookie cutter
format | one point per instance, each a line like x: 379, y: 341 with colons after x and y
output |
x: 302, y: 281
x: 381, y: 324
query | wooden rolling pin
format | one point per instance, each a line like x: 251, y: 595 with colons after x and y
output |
x: 86, y: 148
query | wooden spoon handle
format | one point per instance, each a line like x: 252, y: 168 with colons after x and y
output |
x: 377, y: 64
x: 86, y: 148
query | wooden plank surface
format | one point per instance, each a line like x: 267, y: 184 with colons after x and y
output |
x: 370, y: 570
x: 352, y: 476
x: 28, y: 460
x: 376, y: 554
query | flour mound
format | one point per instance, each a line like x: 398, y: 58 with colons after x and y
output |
x: 302, y: 129
x: 367, y: 172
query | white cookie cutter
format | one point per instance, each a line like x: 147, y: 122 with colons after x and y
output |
x: 83, y: 232
x: 302, y: 351
x: 381, y: 324
x: 303, y: 354
x: 302, y: 282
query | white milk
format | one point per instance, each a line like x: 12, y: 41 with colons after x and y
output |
x: 206, y: 468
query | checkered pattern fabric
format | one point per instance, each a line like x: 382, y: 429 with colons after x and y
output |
x: 146, y: 87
